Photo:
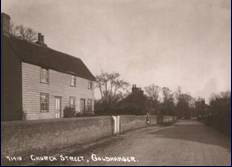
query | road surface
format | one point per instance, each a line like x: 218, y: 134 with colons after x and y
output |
x: 187, y: 142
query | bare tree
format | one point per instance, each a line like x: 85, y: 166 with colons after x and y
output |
x: 167, y: 94
x: 200, y: 107
x: 23, y: 32
x: 168, y: 101
x: 184, y: 105
x: 111, y: 87
x: 153, y: 92
x: 12, y: 29
x: 177, y: 94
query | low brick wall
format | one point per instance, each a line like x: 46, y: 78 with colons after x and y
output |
x: 128, y: 122
x: 153, y: 119
x: 20, y: 137
x: 168, y: 119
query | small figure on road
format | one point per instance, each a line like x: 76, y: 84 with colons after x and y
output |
x: 148, y: 118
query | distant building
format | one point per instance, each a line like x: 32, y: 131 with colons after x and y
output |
x: 38, y: 82
x: 137, y: 91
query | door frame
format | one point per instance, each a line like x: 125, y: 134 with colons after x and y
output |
x: 83, y: 99
x: 60, y: 112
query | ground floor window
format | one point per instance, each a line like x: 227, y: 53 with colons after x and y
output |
x: 44, y: 102
x: 72, y: 102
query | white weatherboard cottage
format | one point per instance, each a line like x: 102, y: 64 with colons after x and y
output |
x: 40, y: 82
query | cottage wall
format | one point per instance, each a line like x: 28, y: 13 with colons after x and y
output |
x: 59, y: 85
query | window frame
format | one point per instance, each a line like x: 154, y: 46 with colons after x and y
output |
x: 44, y: 111
x: 41, y: 70
x: 74, y: 105
x: 82, y: 110
x: 75, y: 81
x: 90, y: 85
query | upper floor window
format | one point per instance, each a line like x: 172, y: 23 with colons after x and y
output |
x: 44, y: 102
x: 44, y: 75
x: 73, y: 81
x: 72, y: 102
x: 90, y: 86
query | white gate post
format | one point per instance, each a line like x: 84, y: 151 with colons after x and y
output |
x: 116, y: 120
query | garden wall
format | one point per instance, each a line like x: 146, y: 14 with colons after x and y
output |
x: 27, y: 136
x: 20, y: 137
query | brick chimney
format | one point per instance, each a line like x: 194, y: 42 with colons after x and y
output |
x: 136, y: 90
x: 5, y: 24
x: 40, y: 40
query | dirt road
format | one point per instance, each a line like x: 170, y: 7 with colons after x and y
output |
x: 184, y: 143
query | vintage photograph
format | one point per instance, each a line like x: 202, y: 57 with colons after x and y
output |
x: 116, y: 83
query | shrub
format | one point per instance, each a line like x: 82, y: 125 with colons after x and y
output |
x: 69, y: 112
x: 218, y: 114
x: 79, y: 114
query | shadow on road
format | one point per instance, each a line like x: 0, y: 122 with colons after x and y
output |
x: 193, y: 131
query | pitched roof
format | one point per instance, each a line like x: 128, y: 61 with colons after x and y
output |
x: 48, y: 58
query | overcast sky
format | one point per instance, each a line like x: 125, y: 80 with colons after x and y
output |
x: 167, y: 42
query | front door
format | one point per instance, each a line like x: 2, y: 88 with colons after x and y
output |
x: 82, y: 105
x: 58, y: 107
